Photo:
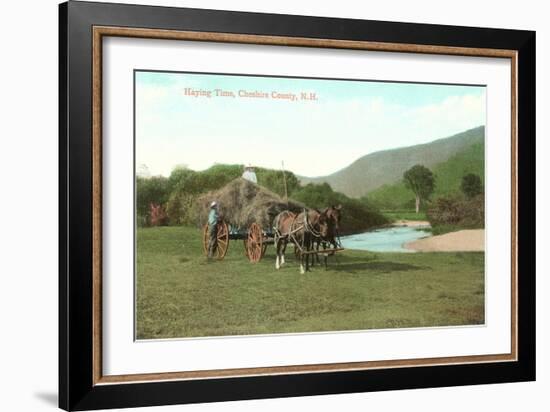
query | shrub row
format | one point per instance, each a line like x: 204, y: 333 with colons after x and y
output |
x: 457, y: 211
x: 177, y: 196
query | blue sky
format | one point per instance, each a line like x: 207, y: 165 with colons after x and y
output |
x: 347, y: 120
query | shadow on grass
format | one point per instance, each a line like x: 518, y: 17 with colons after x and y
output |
x: 380, y: 267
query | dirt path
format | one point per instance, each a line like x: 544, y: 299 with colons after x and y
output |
x: 461, y: 241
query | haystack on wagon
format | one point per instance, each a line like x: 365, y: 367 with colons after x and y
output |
x: 247, y: 211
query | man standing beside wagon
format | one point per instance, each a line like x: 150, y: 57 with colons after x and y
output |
x: 213, y: 218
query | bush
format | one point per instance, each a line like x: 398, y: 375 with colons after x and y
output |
x: 181, y: 208
x: 357, y: 216
x: 142, y: 220
x: 474, y: 215
x: 317, y: 195
x: 157, y: 215
x: 153, y: 190
x: 456, y: 211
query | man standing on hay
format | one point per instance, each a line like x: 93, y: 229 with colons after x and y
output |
x: 250, y: 174
x: 213, y: 217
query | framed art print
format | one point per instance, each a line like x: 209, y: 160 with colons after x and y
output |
x: 257, y: 205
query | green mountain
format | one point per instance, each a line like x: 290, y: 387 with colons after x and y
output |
x: 448, y: 177
x: 387, y: 167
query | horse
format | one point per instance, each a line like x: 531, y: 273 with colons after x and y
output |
x: 334, y: 214
x: 299, y: 229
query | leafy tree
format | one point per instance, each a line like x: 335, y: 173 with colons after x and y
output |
x: 192, y: 182
x: 216, y: 177
x: 471, y: 185
x: 179, y: 176
x: 275, y: 181
x: 421, y: 181
x: 317, y: 195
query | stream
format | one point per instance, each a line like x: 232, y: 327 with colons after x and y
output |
x: 387, y: 239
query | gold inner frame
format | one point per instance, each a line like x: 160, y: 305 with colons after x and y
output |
x: 100, y: 31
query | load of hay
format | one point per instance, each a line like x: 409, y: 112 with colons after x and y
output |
x: 242, y: 203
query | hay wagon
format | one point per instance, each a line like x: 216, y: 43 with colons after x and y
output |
x: 247, y: 211
x: 255, y: 239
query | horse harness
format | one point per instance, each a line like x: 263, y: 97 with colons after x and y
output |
x: 291, y: 234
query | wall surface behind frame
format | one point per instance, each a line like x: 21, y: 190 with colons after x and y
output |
x: 28, y: 205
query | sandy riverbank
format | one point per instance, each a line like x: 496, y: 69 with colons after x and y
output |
x: 461, y: 241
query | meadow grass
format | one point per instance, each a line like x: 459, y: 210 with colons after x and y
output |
x: 181, y: 294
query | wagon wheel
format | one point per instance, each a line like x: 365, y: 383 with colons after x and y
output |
x: 255, y: 243
x: 222, y: 237
x: 245, y: 243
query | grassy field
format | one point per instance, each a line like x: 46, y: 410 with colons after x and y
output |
x: 180, y: 294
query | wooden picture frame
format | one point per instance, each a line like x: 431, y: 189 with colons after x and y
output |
x: 82, y: 28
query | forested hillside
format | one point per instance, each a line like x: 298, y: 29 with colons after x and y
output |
x: 387, y: 167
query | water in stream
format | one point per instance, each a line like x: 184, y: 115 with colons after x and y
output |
x: 388, y: 239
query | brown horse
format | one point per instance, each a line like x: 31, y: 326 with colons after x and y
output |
x: 299, y: 229
x: 334, y: 214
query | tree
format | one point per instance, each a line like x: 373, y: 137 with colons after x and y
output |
x: 274, y: 180
x: 421, y: 181
x: 471, y: 185
x: 317, y: 195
